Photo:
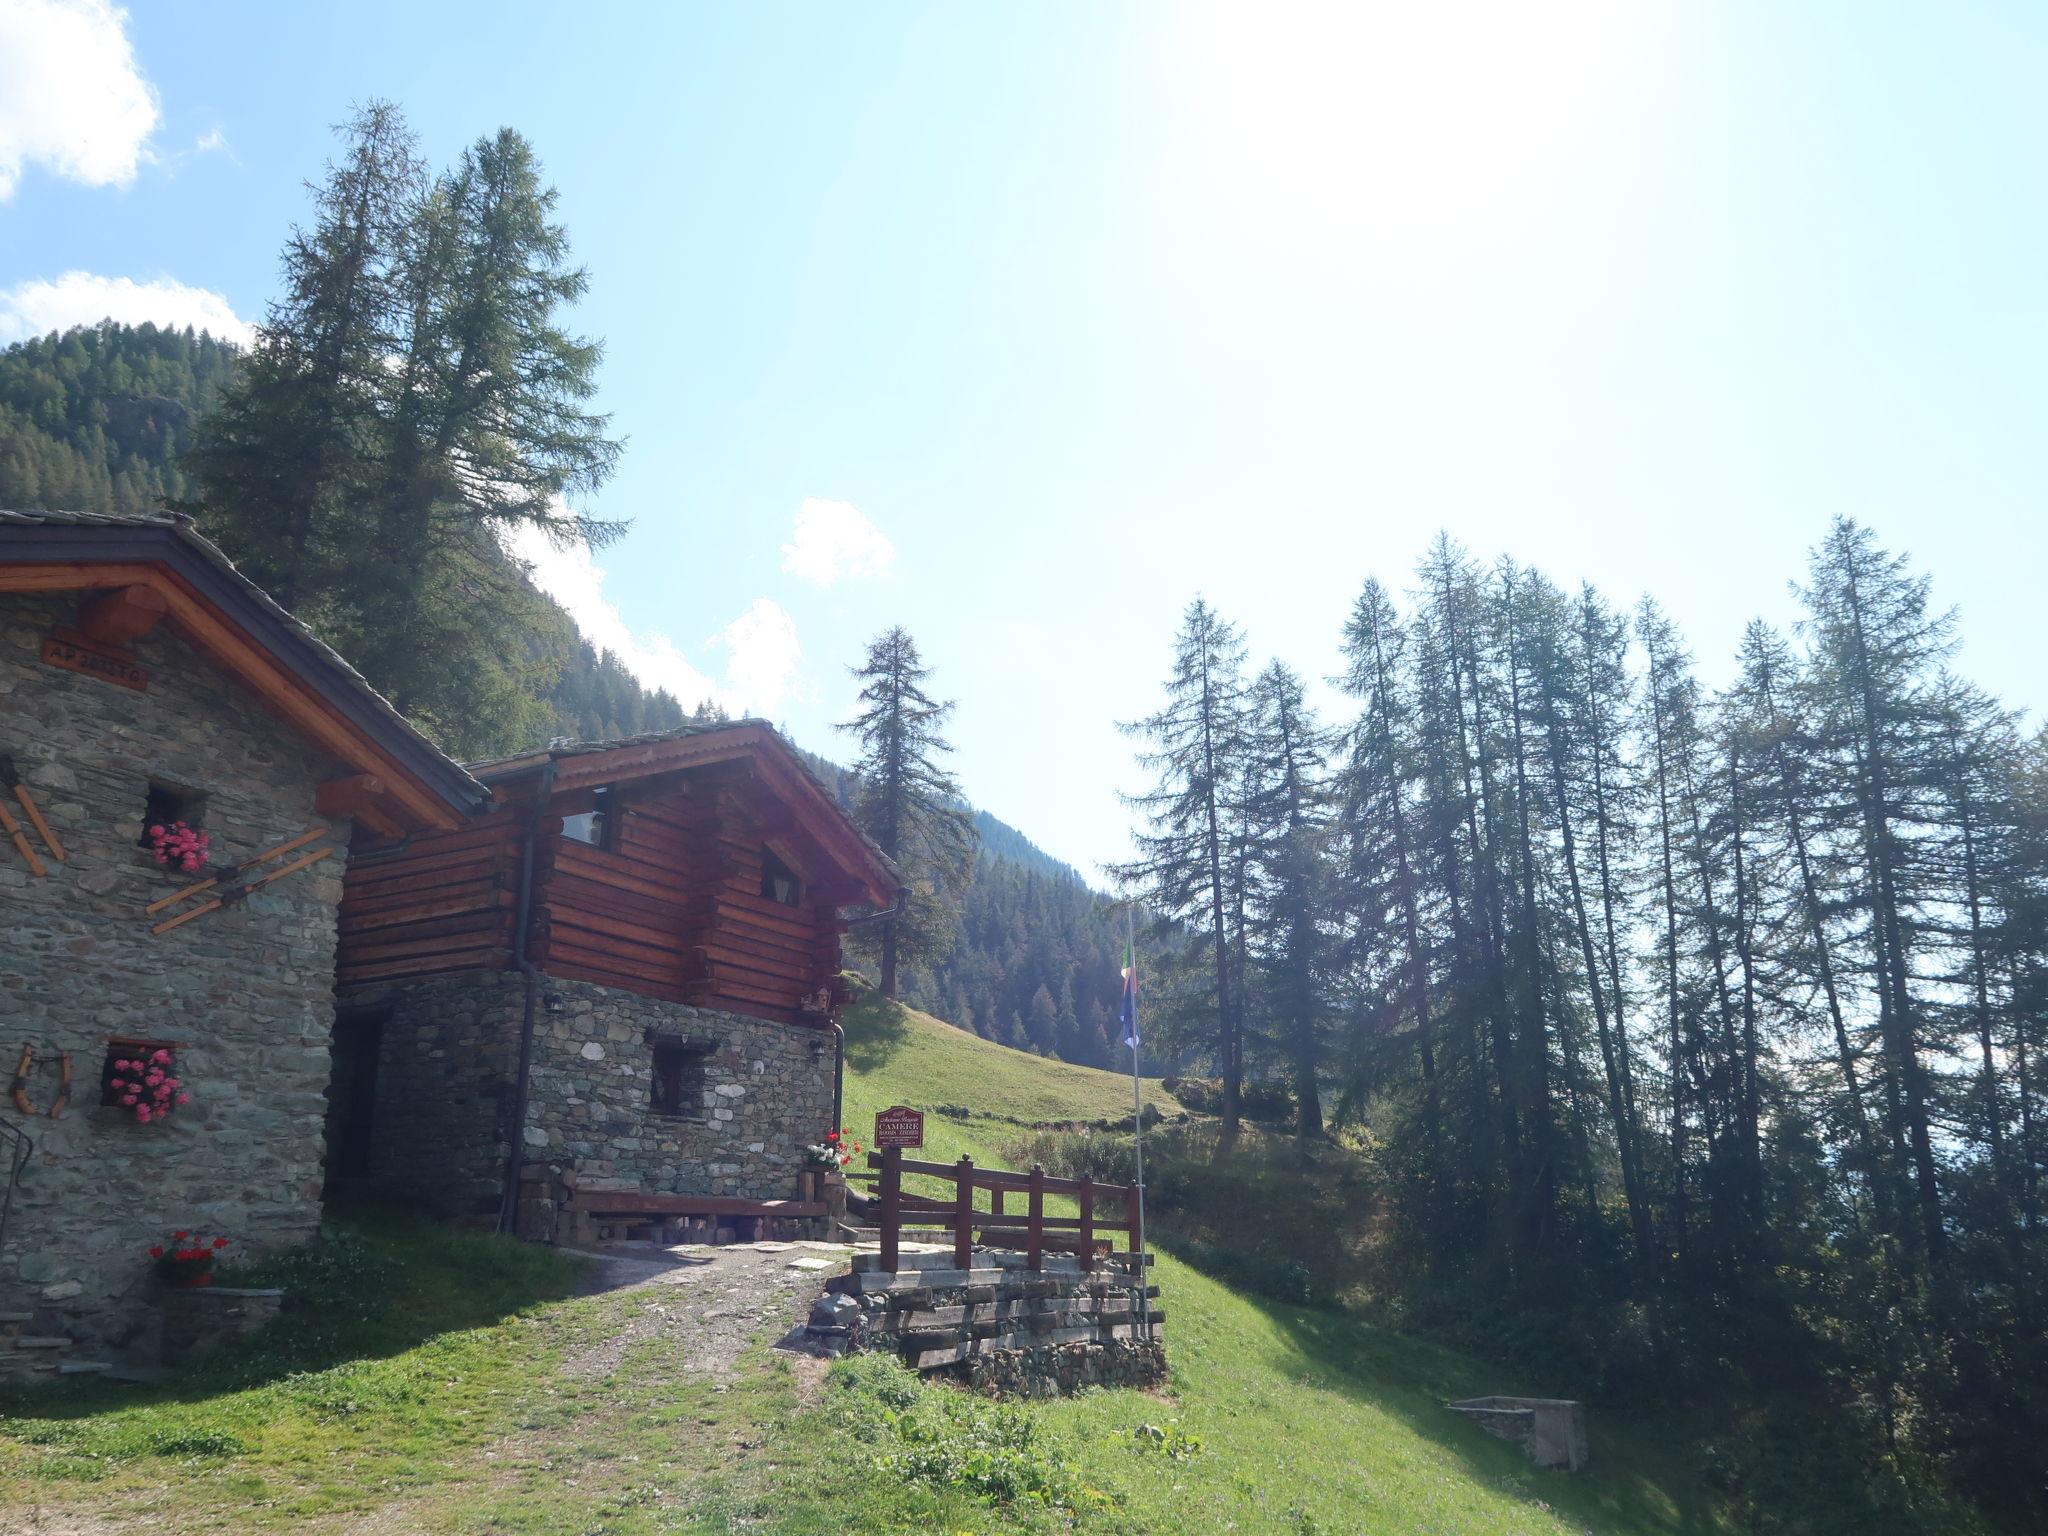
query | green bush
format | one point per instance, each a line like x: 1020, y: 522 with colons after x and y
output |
x: 1269, y: 1102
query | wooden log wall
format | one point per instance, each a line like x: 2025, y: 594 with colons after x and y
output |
x: 671, y: 909
x: 430, y: 904
x: 674, y: 909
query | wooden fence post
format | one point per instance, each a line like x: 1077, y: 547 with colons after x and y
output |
x: 963, y: 1213
x: 1035, y: 1219
x: 1131, y: 1215
x: 892, y: 1205
x: 1087, y: 1250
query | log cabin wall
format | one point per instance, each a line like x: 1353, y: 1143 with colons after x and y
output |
x: 667, y: 903
x: 432, y: 904
x: 670, y: 903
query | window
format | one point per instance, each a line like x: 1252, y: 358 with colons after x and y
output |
x: 778, y: 880
x: 126, y: 1049
x: 166, y: 803
x: 596, y: 826
x: 679, y: 1079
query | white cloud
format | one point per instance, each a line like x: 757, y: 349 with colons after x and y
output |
x: 38, y: 306
x: 762, y: 653
x: 762, y: 656
x: 71, y: 96
x: 833, y: 540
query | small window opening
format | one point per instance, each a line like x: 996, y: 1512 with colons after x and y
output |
x: 168, y: 803
x: 596, y: 826
x: 680, y: 1078
x: 778, y: 880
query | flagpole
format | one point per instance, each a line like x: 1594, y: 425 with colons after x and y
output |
x: 1142, y: 1299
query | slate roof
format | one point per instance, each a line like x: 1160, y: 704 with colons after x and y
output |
x: 98, y: 536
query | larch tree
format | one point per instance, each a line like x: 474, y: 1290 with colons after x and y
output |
x: 1184, y: 867
x: 907, y: 800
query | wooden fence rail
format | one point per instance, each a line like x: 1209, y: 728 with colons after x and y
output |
x: 958, y: 1214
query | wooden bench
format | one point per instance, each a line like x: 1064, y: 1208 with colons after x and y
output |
x: 600, y: 1215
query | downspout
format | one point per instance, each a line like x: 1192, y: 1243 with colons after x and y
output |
x: 839, y: 1030
x: 515, y: 1159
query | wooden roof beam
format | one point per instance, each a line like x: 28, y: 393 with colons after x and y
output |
x: 123, y: 616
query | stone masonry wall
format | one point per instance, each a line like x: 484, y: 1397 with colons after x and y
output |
x: 444, y: 1092
x: 247, y: 990
x: 443, y: 1097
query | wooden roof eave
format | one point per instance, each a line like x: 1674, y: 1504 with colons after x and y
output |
x: 411, y: 797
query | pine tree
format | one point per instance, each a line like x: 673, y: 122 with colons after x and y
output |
x: 908, y: 802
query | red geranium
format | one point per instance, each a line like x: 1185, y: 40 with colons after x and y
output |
x: 187, y: 1263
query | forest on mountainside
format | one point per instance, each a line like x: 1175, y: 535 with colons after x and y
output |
x: 97, y: 418
x: 1698, y: 1036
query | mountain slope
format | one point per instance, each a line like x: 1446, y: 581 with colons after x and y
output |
x: 1310, y: 1421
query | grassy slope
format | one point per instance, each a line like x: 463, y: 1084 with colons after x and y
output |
x: 1311, y: 1421
x: 425, y: 1393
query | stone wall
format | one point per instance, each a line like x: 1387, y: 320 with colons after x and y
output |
x: 1002, y: 1327
x: 445, y: 1079
x: 247, y: 991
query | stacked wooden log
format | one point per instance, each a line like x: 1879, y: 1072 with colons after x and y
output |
x: 934, y: 1315
x: 669, y: 905
x: 430, y: 905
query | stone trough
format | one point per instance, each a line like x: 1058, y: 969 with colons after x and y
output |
x: 1550, y: 1430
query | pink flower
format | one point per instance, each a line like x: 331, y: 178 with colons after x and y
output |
x: 128, y: 1098
x: 142, y: 1111
x: 161, y: 1056
x: 184, y: 1098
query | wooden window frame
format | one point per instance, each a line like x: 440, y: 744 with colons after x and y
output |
x: 772, y: 859
x: 605, y: 813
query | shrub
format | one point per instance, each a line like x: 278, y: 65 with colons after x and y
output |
x: 333, y: 1270
x: 1255, y: 1101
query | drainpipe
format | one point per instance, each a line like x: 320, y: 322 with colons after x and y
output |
x: 838, y: 1029
x: 838, y: 1072
x: 508, y: 1205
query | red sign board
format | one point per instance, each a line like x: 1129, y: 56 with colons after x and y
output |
x: 75, y: 653
x: 899, y: 1127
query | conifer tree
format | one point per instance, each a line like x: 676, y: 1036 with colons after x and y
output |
x: 1183, y: 866
x: 1286, y: 811
x: 908, y: 801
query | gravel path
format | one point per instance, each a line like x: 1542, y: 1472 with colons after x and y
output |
x: 707, y: 1303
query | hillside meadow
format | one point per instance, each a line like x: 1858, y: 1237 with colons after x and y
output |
x: 424, y: 1386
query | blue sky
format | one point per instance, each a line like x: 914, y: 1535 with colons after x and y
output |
x: 1021, y: 325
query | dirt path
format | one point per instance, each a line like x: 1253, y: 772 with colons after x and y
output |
x: 702, y: 1307
x: 708, y: 1303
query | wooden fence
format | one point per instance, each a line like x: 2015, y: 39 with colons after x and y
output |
x: 1026, y: 1229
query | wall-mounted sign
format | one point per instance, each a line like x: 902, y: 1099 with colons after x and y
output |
x: 74, y: 653
x: 899, y: 1127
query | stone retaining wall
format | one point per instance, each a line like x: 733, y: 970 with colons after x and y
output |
x: 1001, y: 1326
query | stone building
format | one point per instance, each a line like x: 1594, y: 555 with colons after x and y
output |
x: 620, y: 980
x: 143, y: 682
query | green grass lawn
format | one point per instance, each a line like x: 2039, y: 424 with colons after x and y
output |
x: 423, y: 1389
